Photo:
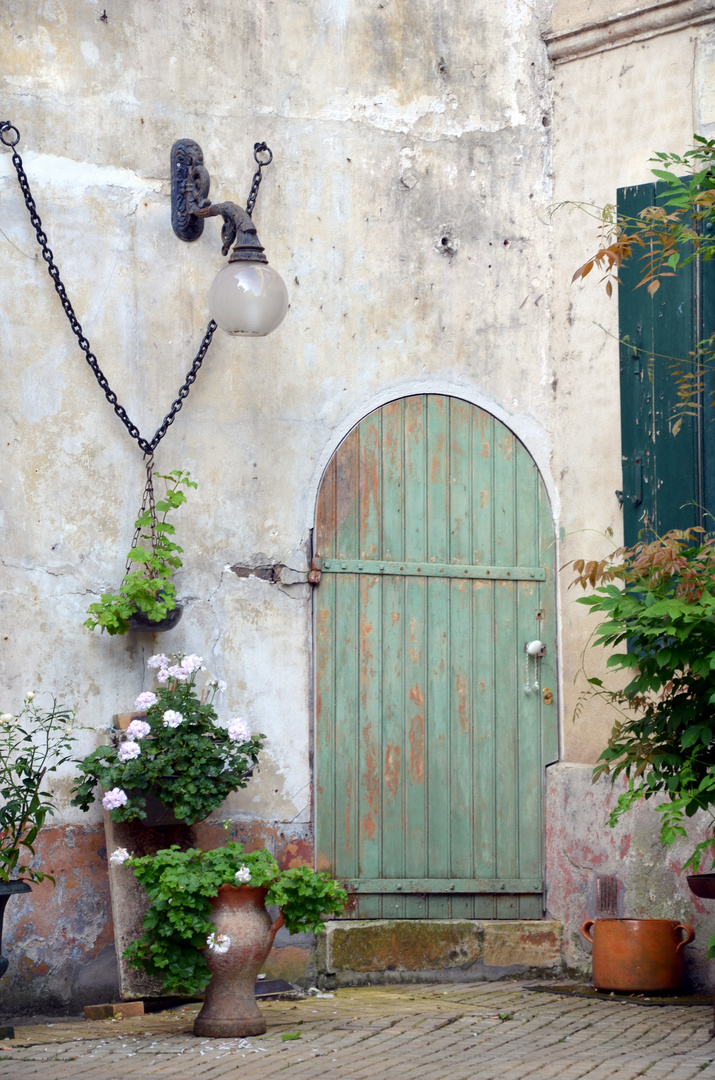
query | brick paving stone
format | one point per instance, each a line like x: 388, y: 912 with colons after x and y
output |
x: 395, y: 1033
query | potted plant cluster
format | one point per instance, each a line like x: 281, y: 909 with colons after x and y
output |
x: 33, y: 743
x: 208, y: 924
x: 175, y: 752
x: 656, y: 601
x: 147, y: 596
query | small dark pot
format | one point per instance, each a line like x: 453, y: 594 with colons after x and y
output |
x: 703, y: 885
x: 142, y: 624
x: 8, y: 889
x: 157, y: 813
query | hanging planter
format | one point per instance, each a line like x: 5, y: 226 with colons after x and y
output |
x: 142, y: 624
x: 146, y: 601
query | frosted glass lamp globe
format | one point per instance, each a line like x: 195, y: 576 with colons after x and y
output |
x: 248, y: 298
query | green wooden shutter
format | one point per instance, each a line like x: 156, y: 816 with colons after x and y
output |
x: 664, y: 485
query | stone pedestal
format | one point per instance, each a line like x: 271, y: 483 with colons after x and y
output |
x: 130, y: 901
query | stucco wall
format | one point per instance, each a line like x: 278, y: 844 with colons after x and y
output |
x: 395, y: 127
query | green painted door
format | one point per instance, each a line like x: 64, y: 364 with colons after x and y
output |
x: 435, y: 544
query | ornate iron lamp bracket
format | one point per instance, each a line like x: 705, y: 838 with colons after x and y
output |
x: 190, y: 204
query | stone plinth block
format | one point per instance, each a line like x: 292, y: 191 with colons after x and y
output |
x: 358, y: 952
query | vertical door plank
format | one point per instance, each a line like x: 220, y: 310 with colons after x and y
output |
x: 529, y: 780
x: 394, y: 740
x: 370, y: 651
x: 325, y: 813
x: 347, y: 750
x: 461, y: 671
x: 507, y: 657
x: 347, y: 637
x: 483, y: 652
x: 415, y: 649
x: 437, y: 732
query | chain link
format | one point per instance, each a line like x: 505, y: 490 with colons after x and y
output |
x: 258, y: 148
x: 149, y: 503
x: 148, y: 446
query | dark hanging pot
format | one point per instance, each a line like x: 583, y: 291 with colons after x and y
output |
x: 8, y: 889
x: 637, y: 955
x: 142, y: 624
x: 702, y: 885
x: 229, y: 1010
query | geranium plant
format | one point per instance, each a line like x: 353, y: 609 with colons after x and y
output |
x: 176, y: 751
x: 149, y: 588
x: 181, y: 884
x: 33, y: 743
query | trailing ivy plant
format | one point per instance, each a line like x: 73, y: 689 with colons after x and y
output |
x: 181, y: 885
x: 147, y: 589
x: 656, y: 604
x: 175, y: 750
x: 33, y: 743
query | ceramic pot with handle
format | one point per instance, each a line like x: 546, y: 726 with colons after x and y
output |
x: 637, y: 955
x: 245, y: 934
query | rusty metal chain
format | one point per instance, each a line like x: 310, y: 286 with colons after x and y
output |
x: 258, y: 148
x: 10, y: 136
x: 149, y: 503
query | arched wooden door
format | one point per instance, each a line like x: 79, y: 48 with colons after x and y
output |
x: 435, y: 544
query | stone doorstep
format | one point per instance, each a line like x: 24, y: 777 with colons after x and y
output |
x: 353, y: 950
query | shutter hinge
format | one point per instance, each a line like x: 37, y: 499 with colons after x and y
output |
x: 314, y: 572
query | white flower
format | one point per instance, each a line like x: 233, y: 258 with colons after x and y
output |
x: 7, y: 718
x: 158, y: 661
x: 138, y: 729
x: 128, y: 751
x: 178, y: 673
x: 221, y: 686
x: 119, y: 856
x: 145, y: 700
x: 172, y: 719
x: 191, y: 663
x: 238, y: 730
x: 162, y: 676
x: 29, y: 695
x: 114, y: 799
x: 219, y: 943
x: 243, y: 874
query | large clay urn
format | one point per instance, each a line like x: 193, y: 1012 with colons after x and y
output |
x: 631, y: 955
x: 229, y: 1009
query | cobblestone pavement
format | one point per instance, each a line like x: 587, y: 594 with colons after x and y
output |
x: 466, y: 1032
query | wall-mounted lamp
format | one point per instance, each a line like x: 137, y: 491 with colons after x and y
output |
x: 247, y: 296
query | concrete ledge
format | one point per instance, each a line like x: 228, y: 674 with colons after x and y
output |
x: 366, y: 952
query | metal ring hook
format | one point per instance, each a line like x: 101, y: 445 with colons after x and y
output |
x: 261, y: 148
x: 5, y: 125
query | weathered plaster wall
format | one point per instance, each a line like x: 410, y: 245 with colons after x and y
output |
x: 580, y: 847
x: 597, y: 148
x: 407, y: 211
x: 612, y: 111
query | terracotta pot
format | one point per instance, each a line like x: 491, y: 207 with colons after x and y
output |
x: 637, y: 954
x: 230, y: 1010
